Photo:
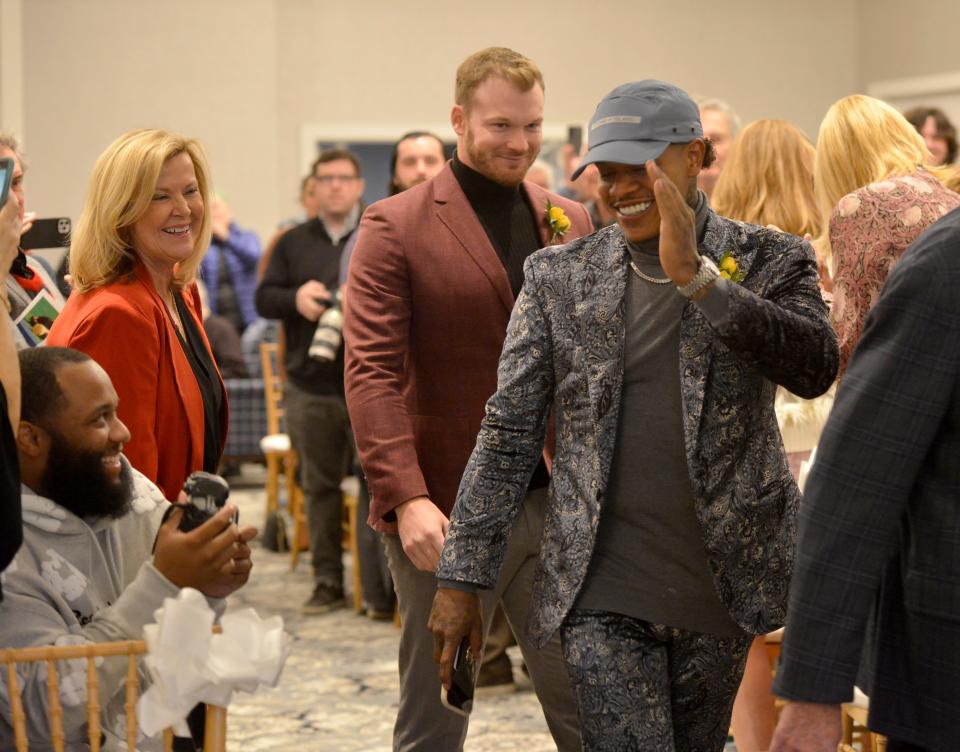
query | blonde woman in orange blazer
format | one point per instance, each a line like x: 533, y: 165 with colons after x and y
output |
x: 135, y: 309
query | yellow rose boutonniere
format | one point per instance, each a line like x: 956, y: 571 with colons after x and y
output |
x: 729, y: 269
x: 558, y: 220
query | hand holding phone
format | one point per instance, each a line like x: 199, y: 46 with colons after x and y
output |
x: 459, y: 698
x: 456, y: 624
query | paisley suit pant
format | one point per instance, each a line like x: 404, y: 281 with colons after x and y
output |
x: 645, y: 687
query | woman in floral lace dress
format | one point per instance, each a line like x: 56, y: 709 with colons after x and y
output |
x: 877, y: 192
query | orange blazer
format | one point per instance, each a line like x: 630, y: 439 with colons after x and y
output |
x: 125, y: 328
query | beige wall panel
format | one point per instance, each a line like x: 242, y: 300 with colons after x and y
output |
x: 899, y: 40
x: 96, y: 68
x: 246, y: 75
x: 392, y: 62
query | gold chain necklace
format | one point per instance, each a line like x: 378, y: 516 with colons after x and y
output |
x: 647, y: 277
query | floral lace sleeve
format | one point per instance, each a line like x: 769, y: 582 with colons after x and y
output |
x: 869, y: 230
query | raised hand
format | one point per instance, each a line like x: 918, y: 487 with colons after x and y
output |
x: 678, y: 235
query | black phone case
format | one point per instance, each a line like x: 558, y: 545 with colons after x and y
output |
x: 459, y: 698
x: 47, y: 233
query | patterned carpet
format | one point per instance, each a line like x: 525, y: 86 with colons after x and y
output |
x: 339, y: 689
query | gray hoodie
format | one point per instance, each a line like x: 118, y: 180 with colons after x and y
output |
x: 76, y: 581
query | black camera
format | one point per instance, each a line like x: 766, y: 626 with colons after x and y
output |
x: 206, y: 495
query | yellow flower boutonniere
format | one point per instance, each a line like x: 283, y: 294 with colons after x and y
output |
x: 558, y: 220
x: 729, y: 269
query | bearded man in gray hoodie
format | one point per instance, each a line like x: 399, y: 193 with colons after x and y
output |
x: 97, y: 559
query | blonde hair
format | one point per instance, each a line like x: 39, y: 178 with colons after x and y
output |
x: 121, y: 188
x: 863, y: 140
x: 768, y: 179
x: 521, y: 71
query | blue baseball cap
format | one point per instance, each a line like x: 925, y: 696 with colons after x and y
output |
x: 638, y: 121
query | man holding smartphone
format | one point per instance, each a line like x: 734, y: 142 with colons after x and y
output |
x: 431, y: 287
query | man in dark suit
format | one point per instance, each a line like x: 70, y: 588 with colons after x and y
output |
x: 658, y: 344
x: 431, y: 286
x: 877, y: 582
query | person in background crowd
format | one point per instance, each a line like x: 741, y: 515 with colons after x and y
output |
x: 877, y: 192
x: 431, y: 288
x: 938, y: 133
x: 96, y: 562
x: 27, y: 275
x: 299, y: 284
x: 720, y: 125
x: 773, y: 183
x: 875, y: 596
x: 417, y: 157
x: 660, y: 557
x: 225, y: 344
x: 11, y: 524
x: 229, y: 267
x: 540, y: 173
x: 136, y: 310
x: 309, y: 202
x: 768, y: 181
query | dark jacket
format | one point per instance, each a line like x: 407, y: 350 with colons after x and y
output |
x: 877, y: 581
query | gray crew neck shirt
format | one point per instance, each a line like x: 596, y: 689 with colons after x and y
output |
x: 649, y: 560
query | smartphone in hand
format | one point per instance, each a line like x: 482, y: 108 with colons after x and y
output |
x: 47, y: 233
x: 459, y: 698
x: 6, y: 178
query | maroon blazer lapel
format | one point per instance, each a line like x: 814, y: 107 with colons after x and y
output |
x: 454, y: 211
x: 538, y: 201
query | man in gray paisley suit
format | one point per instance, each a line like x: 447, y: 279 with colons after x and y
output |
x: 658, y: 344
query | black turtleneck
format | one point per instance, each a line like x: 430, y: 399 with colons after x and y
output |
x: 511, y: 224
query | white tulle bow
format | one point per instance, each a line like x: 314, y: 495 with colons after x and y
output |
x: 188, y: 664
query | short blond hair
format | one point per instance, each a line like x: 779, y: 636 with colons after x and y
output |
x: 863, y: 140
x: 121, y: 188
x: 768, y: 179
x: 521, y: 71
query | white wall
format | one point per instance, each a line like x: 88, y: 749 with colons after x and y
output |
x: 246, y: 75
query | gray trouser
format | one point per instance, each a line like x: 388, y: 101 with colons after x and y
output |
x: 651, y: 688
x: 319, y: 430
x: 375, y: 579
x: 423, y: 724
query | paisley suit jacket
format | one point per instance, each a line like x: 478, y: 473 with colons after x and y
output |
x: 564, y: 350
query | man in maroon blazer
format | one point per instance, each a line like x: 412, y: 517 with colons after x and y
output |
x: 432, y: 283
